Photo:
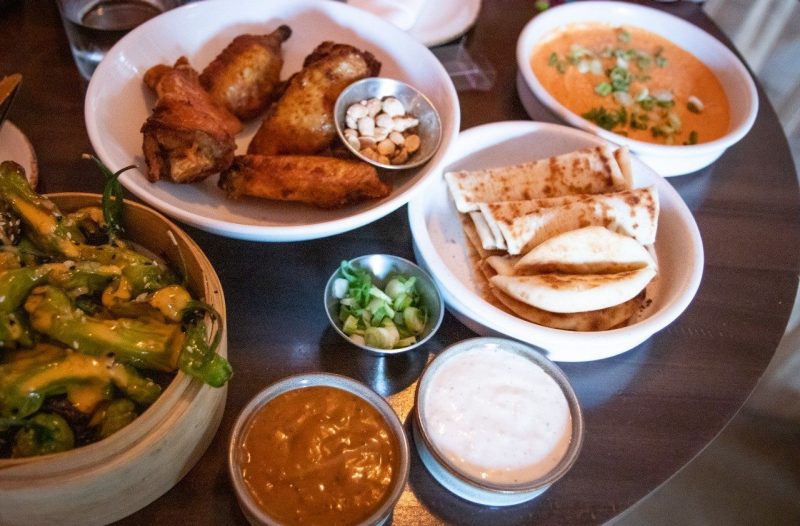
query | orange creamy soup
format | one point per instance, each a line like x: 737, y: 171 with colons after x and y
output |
x: 319, y: 455
x: 634, y: 83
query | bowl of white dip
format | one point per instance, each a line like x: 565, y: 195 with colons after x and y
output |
x: 496, y: 422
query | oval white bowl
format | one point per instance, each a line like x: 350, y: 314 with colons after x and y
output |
x: 667, y: 160
x: 441, y: 248
x: 118, y: 103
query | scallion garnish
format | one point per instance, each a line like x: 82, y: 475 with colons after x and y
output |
x: 603, y: 89
x: 387, y: 319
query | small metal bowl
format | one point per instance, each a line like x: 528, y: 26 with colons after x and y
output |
x: 471, y: 487
x: 382, y: 267
x: 416, y: 104
x: 254, y: 514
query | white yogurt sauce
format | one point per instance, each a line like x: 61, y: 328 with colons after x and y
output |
x: 497, y: 416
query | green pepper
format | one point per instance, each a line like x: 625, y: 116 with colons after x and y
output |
x: 43, y: 434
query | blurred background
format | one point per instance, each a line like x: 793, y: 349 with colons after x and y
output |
x: 750, y: 475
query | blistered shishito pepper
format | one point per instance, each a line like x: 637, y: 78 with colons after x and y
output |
x: 199, y: 356
x: 148, y: 344
x: 59, y: 236
x: 28, y: 377
x: 43, y: 434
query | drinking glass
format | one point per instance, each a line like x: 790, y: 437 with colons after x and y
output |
x: 93, y: 26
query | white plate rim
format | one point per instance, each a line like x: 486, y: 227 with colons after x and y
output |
x: 443, y: 34
x: 558, y: 344
x: 276, y: 232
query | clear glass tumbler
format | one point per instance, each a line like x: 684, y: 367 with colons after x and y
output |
x: 93, y: 26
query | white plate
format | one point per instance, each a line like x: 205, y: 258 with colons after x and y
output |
x: 441, y: 247
x: 441, y: 21
x: 667, y: 160
x: 118, y: 103
x: 14, y: 146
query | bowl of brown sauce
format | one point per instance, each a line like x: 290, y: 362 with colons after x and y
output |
x: 318, y: 448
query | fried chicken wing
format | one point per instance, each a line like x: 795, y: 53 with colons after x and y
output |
x: 188, y: 136
x: 245, y: 77
x: 322, y: 181
x: 301, y: 122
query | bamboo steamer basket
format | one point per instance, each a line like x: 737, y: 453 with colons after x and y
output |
x: 115, y: 477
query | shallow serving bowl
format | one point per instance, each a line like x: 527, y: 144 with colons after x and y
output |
x: 118, y: 103
x: 473, y: 488
x: 667, y: 160
x: 416, y: 105
x: 110, y: 479
x: 442, y: 249
x: 382, y: 267
x: 248, y: 504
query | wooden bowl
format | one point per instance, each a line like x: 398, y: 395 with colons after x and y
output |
x: 110, y: 479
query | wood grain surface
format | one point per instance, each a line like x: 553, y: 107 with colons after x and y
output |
x: 648, y: 411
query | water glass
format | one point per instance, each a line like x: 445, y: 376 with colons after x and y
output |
x: 93, y: 26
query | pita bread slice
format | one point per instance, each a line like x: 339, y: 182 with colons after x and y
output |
x: 592, y: 170
x: 589, y: 250
x: 598, y: 320
x: 503, y: 265
x: 490, y: 238
x: 568, y: 293
x: 474, y: 240
x: 525, y: 224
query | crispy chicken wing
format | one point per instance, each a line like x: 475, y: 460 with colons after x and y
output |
x: 189, y: 136
x: 245, y: 77
x: 301, y: 122
x: 322, y: 181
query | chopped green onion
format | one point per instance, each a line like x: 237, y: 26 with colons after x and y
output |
x: 402, y: 301
x: 405, y: 342
x: 340, y: 288
x: 375, y: 317
x: 606, y: 119
x: 378, y: 293
x: 384, y: 337
x: 639, y: 121
x: 414, y: 319
x: 624, y: 98
x: 603, y: 89
x: 661, y: 60
x: 350, y: 325
x: 623, y: 36
x: 620, y: 78
x: 541, y: 5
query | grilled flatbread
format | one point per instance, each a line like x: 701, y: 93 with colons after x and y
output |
x: 590, y: 250
x: 598, y: 320
x: 589, y: 171
x: 569, y: 293
x: 525, y: 224
x: 503, y: 265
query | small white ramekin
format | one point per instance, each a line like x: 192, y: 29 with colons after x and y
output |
x: 472, y: 488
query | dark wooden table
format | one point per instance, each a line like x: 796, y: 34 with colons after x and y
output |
x: 648, y: 411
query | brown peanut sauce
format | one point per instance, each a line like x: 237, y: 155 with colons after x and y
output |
x: 319, y: 455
